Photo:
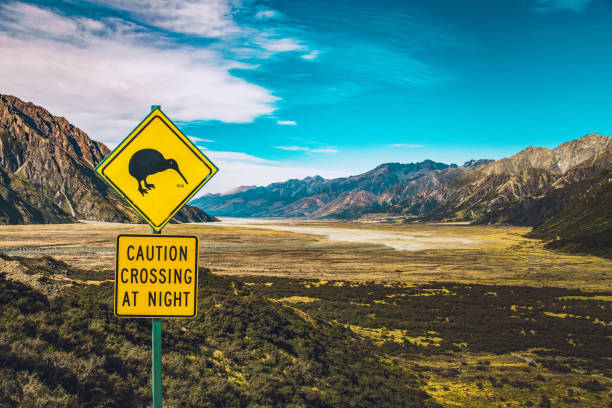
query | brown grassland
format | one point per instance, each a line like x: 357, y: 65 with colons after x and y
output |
x: 500, y: 254
x: 500, y: 321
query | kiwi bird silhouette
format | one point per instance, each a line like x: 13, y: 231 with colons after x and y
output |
x: 149, y: 161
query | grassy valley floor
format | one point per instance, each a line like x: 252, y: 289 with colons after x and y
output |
x: 488, y: 254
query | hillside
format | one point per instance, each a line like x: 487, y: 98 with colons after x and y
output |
x: 273, y: 341
x: 469, y: 197
x: 584, y: 225
x: 22, y: 203
x: 566, y: 189
x: 47, y: 166
x: 242, y: 350
x: 512, y: 189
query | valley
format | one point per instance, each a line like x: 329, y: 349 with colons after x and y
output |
x: 413, y: 284
x: 444, y: 314
x: 425, y: 253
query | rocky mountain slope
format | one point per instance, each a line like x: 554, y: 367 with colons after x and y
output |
x: 584, y: 225
x: 22, y: 203
x: 512, y: 190
x: 357, y: 203
x: 377, y: 190
x: 315, y: 196
x: 46, y: 155
x: 432, y: 180
x: 566, y: 188
x: 556, y: 161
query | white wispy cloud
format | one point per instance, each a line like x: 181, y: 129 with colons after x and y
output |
x: 238, y: 169
x: 406, y: 145
x: 266, y: 14
x: 311, y: 55
x: 238, y: 157
x: 286, y: 122
x: 549, y: 6
x: 280, y: 44
x: 103, y: 74
x: 210, y: 18
x: 305, y: 149
x: 199, y: 139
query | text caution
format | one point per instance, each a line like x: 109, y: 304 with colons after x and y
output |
x: 156, y: 276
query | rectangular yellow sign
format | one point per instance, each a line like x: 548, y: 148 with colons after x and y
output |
x: 156, y: 276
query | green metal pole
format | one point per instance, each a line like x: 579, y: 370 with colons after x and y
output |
x: 156, y: 356
x: 157, y: 363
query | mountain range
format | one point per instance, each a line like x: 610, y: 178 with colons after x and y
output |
x: 537, y: 187
x: 347, y: 197
x: 501, y: 191
x: 47, y: 172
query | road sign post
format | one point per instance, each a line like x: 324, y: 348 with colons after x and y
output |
x: 156, y: 276
x: 156, y: 357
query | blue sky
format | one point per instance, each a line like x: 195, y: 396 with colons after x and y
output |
x: 273, y: 90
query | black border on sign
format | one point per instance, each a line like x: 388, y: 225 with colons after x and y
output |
x: 184, y: 201
x: 116, y: 289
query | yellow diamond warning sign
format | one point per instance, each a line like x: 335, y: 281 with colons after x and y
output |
x: 157, y: 169
x: 156, y: 276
